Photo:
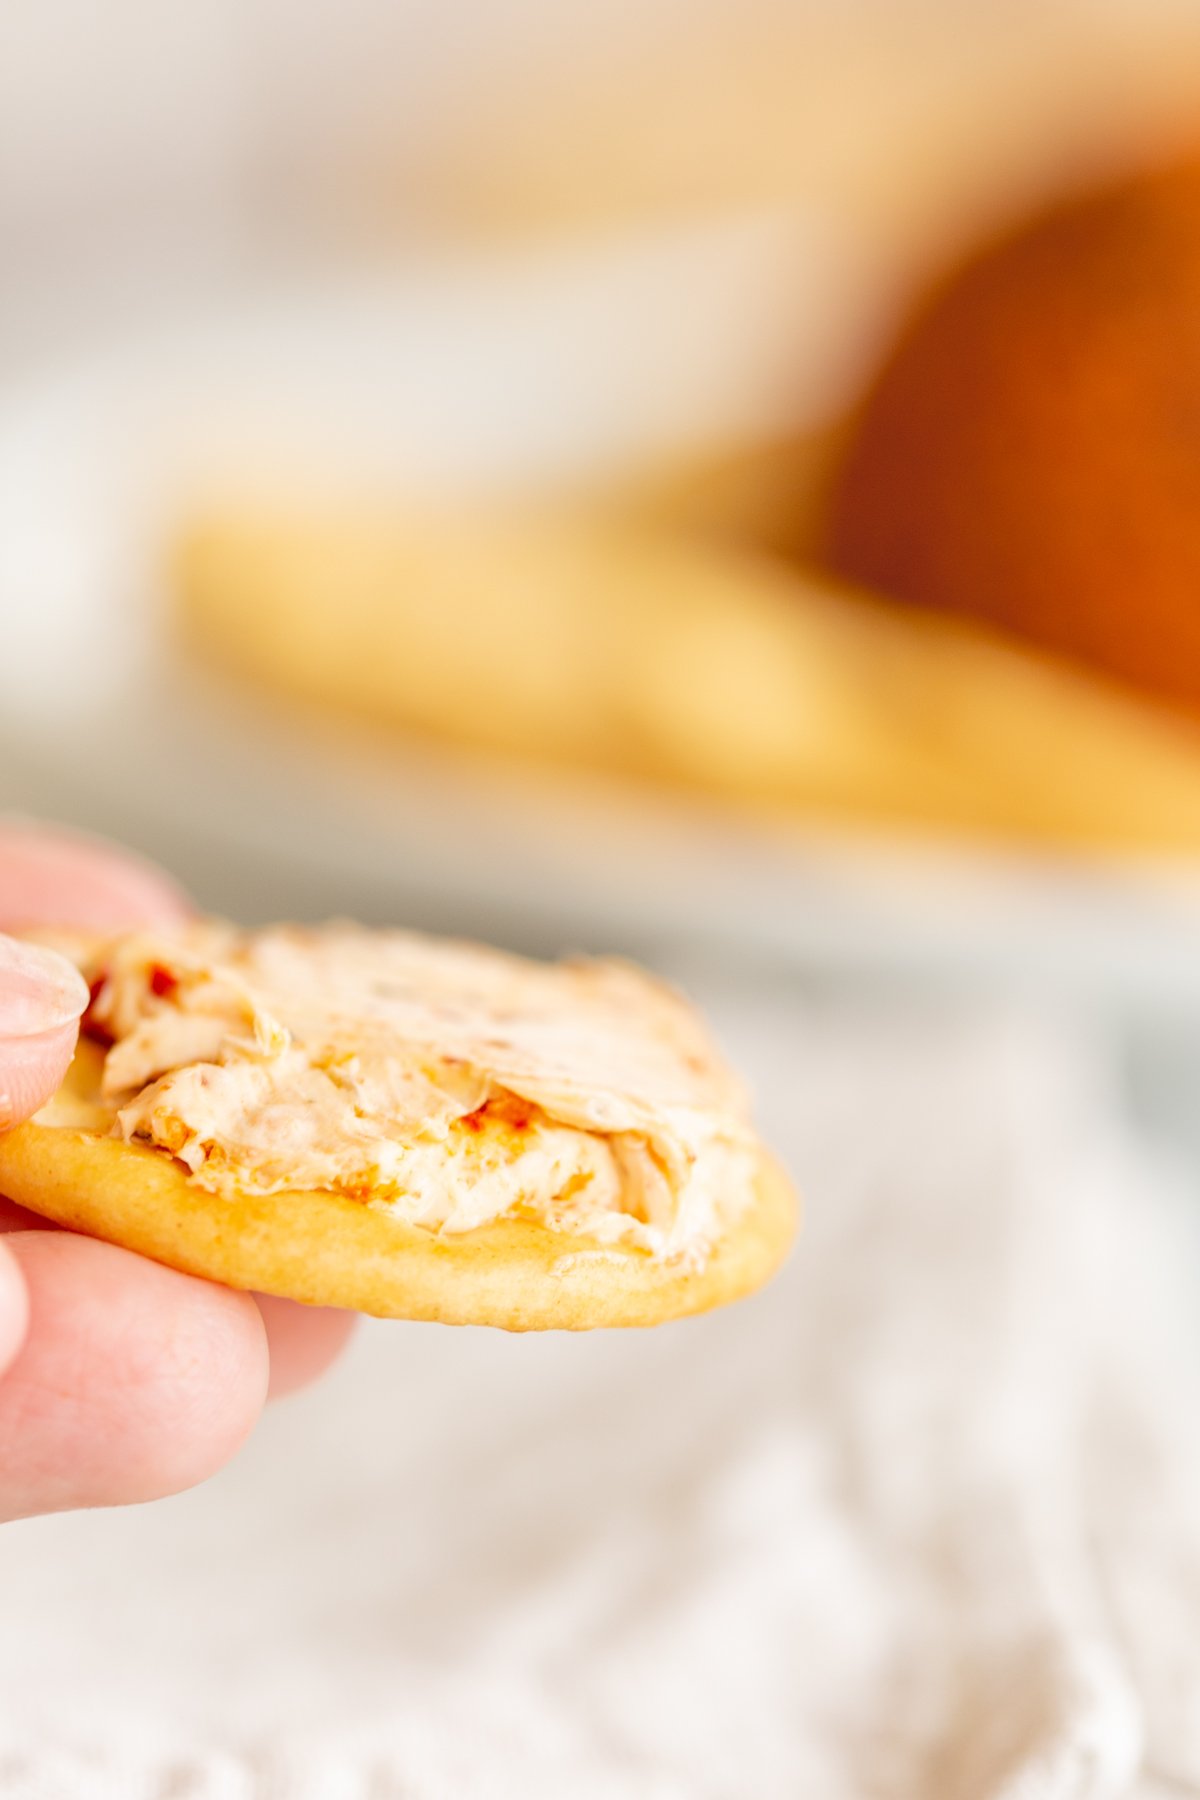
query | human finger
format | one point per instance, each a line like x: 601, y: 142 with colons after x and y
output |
x: 132, y: 1381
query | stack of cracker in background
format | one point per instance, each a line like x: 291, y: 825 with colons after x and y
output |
x: 675, y: 622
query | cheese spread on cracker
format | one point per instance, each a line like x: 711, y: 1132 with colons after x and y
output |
x: 448, y: 1085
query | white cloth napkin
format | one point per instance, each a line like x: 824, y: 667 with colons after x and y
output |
x: 922, y: 1521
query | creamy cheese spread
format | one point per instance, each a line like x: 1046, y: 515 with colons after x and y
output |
x: 447, y: 1084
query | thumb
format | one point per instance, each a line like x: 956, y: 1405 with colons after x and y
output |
x: 41, y: 999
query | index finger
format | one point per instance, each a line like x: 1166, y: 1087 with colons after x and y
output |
x: 55, y: 877
x: 51, y: 876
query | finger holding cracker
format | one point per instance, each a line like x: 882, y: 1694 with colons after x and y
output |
x: 41, y: 1000
x: 120, y: 1380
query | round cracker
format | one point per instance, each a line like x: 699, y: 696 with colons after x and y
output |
x: 325, y: 1250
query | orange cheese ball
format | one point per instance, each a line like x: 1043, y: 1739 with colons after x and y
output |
x: 1030, y: 453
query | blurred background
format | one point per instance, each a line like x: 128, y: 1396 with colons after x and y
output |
x: 719, y: 483
x: 453, y: 466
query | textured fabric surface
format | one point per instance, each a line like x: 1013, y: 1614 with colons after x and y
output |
x: 921, y: 1521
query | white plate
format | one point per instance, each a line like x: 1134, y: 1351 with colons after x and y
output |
x: 543, y: 371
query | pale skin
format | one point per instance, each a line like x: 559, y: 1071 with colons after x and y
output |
x: 120, y: 1380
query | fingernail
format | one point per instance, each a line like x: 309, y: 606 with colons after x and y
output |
x: 40, y: 990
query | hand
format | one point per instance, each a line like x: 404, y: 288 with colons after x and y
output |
x: 120, y: 1380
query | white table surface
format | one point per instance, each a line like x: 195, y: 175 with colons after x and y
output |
x: 921, y: 1520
